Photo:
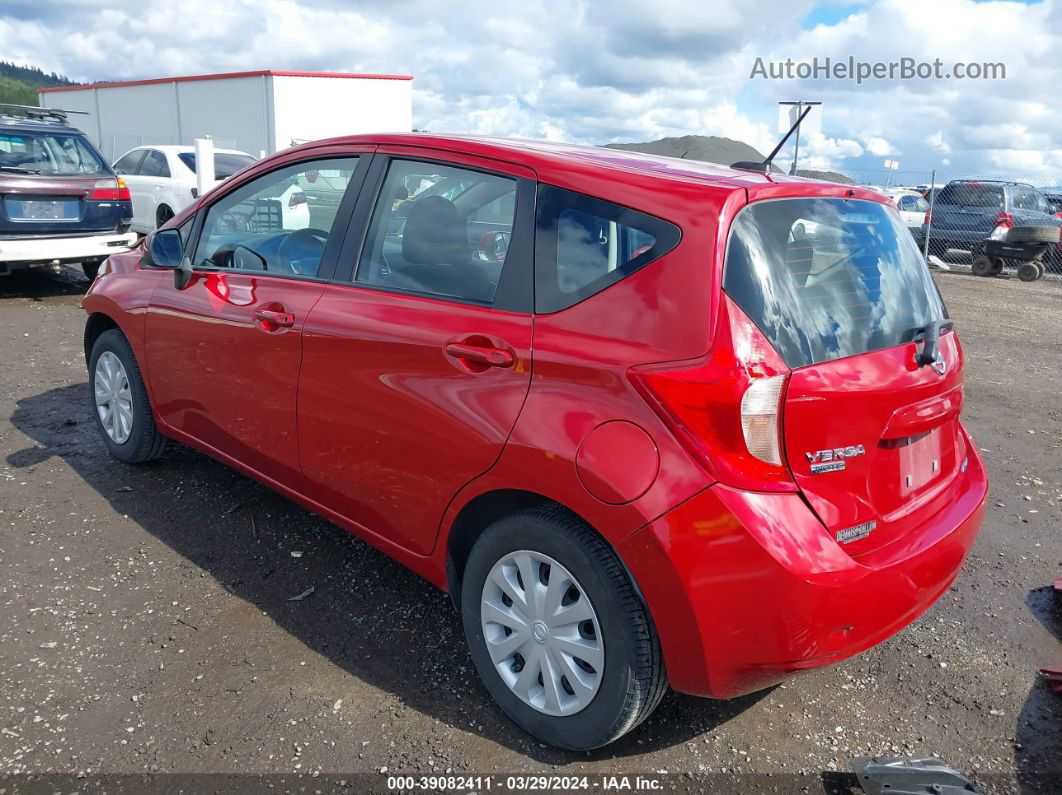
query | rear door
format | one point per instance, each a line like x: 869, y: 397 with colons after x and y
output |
x: 872, y: 437
x: 416, y: 365
x: 47, y: 185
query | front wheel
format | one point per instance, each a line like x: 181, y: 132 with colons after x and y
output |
x: 120, y: 402
x: 557, y: 632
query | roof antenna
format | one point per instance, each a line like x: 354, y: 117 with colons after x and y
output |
x: 765, y: 166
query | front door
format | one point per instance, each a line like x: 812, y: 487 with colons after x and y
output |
x: 415, y: 370
x: 223, y: 353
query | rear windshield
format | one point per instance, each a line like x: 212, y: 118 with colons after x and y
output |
x: 972, y: 194
x: 829, y: 278
x: 225, y: 165
x: 52, y: 154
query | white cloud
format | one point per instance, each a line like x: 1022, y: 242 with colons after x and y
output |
x: 597, y: 71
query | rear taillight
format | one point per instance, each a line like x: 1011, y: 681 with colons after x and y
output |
x: 1006, y: 220
x: 928, y: 218
x: 727, y: 407
x: 761, y: 418
x: 110, y: 190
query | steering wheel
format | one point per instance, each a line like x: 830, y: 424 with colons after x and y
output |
x: 309, y: 238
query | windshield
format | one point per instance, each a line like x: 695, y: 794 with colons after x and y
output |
x: 225, y: 164
x: 52, y: 154
x: 829, y: 278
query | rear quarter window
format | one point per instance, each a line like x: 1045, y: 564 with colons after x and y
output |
x: 828, y: 278
x: 584, y: 244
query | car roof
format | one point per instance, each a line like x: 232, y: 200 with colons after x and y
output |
x: 177, y: 149
x: 23, y: 124
x: 552, y: 155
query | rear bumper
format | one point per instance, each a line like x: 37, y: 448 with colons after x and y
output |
x: 747, y: 589
x: 26, y: 252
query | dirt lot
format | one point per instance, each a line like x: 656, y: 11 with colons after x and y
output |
x: 146, y: 623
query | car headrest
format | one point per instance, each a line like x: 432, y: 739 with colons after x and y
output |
x: 435, y: 233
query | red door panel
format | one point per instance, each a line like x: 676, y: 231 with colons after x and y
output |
x: 403, y: 400
x: 223, y: 360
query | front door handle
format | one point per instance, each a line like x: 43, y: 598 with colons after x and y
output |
x: 272, y: 319
x: 481, y: 355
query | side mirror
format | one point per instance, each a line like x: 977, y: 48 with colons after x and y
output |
x: 165, y: 250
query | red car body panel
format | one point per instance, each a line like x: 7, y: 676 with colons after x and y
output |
x: 360, y: 414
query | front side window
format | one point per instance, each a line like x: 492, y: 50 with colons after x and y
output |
x: 155, y: 164
x: 584, y: 245
x: 269, y: 224
x: 129, y: 162
x: 52, y: 154
x: 439, y: 230
x: 828, y: 278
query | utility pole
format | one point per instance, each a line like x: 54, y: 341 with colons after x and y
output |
x: 800, y: 105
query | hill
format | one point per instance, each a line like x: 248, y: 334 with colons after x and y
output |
x: 18, y: 84
x: 713, y: 149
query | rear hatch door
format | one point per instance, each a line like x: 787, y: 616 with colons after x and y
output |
x: 47, y: 180
x: 871, y: 436
x: 970, y: 209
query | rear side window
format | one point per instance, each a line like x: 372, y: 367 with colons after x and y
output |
x: 583, y: 245
x: 972, y: 194
x: 1028, y: 198
x: 828, y: 278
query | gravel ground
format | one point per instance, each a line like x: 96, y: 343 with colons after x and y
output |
x: 147, y: 621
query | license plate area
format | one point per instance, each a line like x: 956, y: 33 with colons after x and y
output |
x: 42, y: 209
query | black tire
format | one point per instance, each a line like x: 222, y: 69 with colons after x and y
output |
x: 91, y: 268
x: 145, y: 443
x: 1033, y: 234
x: 983, y: 265
x: 162, y: 215
x: 1029, y: 272
x: 1040, y: 266
x: 997, y: 266
x: 633, y: 681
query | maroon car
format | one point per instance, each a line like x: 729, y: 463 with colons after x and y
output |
x: 60, y: 202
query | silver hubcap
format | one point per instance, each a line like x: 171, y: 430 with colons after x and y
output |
x: 114, y: 400
x: 542, y: 633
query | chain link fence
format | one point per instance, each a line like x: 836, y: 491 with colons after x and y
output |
x: 967, y: 222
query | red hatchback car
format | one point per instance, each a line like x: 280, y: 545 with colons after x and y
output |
x: 650, y: 422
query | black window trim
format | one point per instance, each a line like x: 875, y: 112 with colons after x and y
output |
x: 515, y: 291
x: 330, y: 257
x: 667, y: 236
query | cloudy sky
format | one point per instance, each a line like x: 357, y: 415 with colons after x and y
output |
x: 617, y: 70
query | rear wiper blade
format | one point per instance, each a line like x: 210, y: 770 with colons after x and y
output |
x: 930, y: 336
x: 20, y: 170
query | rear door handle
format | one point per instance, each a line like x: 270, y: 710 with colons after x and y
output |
x: 274, y: 317
x: 478, y: 354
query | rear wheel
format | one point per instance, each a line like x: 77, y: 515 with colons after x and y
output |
x: 120, y: 402
x: 162, y: 215
x: 558, y: 634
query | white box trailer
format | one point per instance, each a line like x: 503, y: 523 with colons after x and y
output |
x: 258, y: 112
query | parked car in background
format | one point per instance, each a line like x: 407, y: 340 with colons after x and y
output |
x: 912, y: 207
x: 967, y: 212
x: 734, y: 461
x: 1054, y: 198
x: 59, y: 200
x: 162, y: 179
